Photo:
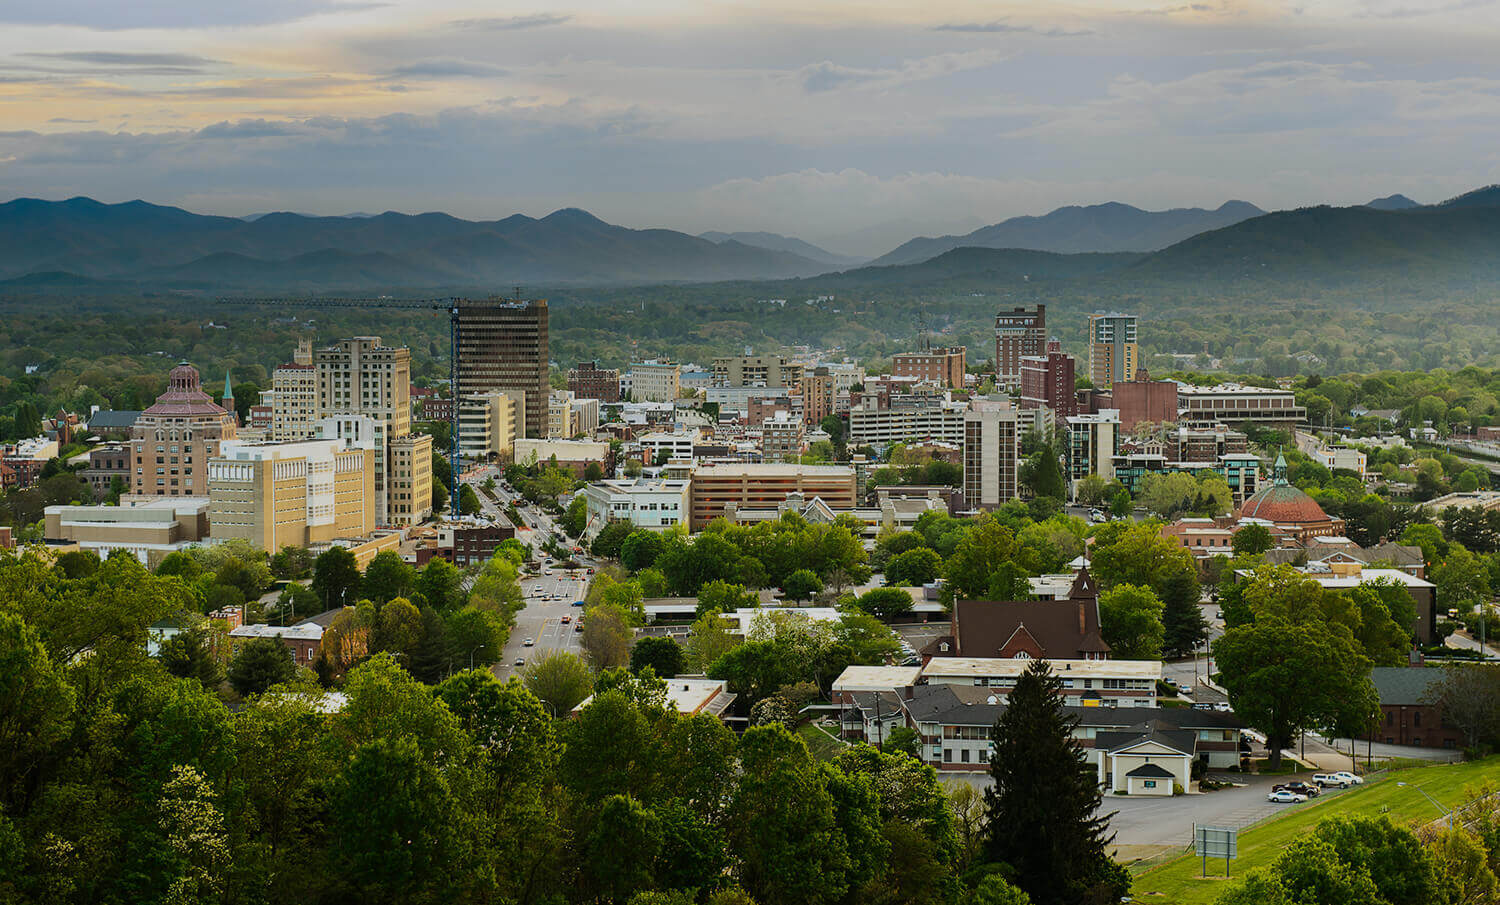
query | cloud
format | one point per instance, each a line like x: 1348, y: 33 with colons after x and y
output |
x: 828, y: 76
x: 169, y: 14
x: 446, y: 68
x: 253, y: 128
x: 1383, y: 10
x: 107, y: 58
x: 988, y: 28
x: 511, y: 23
x: 65, y: 120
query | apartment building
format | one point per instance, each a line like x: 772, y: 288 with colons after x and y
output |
x: 1092, y: 441
x: 757, y: 371
x: 590, y: 381
x: 502, y: 345
x: 1048, y: 381
x: 817, y: 395
x: 291, y: 494
x: 651, y: 503
x: 944, y: 367
x: 294, y: 396
x: 570, y: 416
x: 172, y: 441
x: 910, y: 420
x: 655, y: 380
x: 487, y: 425
x: 409, y: 485
x: 758, y: 486
x: 1113, y: 351
x: 992, y: 454
x: 781, y: 438
x: 1019, y: 333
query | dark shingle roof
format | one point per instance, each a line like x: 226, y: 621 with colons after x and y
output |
x: 968, y: 705
x: 1184, y: 740
x: 1065, y: 629
x: 1151, y: 771
x: 1404, y: 685
x: 112, y: 420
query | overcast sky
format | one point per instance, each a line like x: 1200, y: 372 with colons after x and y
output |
x: 852, y: 124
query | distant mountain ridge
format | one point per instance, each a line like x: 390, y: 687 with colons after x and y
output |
x: 149, y: 243
x: 1108, y: 227
x: 790, y: 244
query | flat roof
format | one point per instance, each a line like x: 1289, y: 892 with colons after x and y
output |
x: 1006, y: 666
x: 768, y: 469
x: 299, y: 632
x: 877, y: 678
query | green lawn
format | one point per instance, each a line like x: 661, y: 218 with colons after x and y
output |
x: 1177, y: 882
x: 822, y: 745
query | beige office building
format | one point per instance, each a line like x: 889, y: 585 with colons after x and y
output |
x: 409, y: 488
x: 294, y: 396
x: 487, y: 424
x: 717, y: 489
x: 657, y: 380
x: 362, y: 376
x: 291, y: 494
x: 757, y: 371
x: 149, y: 527
x: 992, y: 453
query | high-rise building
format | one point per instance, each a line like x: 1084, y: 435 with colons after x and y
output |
x: 992, y: 454
x: 291, y: 494
x: 589, y: 381
x: 1113, y: 353
x: 1142, y: 399
x: 294, y: 396
x: 655, y: 380
x: 1093, y: 441
x: 362, y: 376
x: 172, y: 441
x: 1047, y: 381
x: 941, y: 366
x: 570, y: 416
x: 502, y: 345
x: 487, y: 424
x: 1019, y: 333
x: 409, y: 486
x: 781, y: 438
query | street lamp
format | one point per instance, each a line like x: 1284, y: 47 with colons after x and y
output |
x: 1437, y: 804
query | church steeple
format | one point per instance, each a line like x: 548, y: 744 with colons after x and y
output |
x: 228, y: 401
x: 1278, y: 471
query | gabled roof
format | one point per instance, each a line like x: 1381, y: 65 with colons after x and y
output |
x: 1062, y: 629
x: 1183, y: 741
x: 1150, y: 771
x: 1405, y: 685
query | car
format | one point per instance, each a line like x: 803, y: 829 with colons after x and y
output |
x: 1282, y: 796
x: 529, y: 642
x: 520, y: 661
x: 578, y: 626
x: 547, y: 572
x: 1324, y: 780
x: 578, y: 603
x: 1351, y: 778
x: 1300, y: 788
x: 1222, y: 706
x: 566, y: 619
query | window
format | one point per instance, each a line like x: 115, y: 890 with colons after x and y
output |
x: 1416, y: 718
x: 1150, y: 783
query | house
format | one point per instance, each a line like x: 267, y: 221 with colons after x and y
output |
x: 303, y: 639
x: 1148, y: 759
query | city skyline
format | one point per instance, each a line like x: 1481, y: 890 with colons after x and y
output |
x: 843, y: 125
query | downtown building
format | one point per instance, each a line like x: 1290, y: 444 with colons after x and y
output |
x: 1048, y: 381
x: 291, y: 494
x: 502, y: 345
x: 1113, y: 350
x: 1019, y: 334
x: 589, y: 381
x: 172, y: 441
x: 992, y: 454
x: 944, y: 367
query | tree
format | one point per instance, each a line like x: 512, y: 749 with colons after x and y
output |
x: 639, y: 549
x: 559, y: 680
x: 663, y: 655
x: 468, y: 501
x: 1252, y: 540
x: 913, y: 568
x: 194, y: 832
x: 884, y: 603
x: 260, y: 663
x: 576, y: 518
x: 1183, y: 625
x: 1120, y: 504
x: 1429, y: 538
x: 1009, y: 582
x: 1462, y: 579
x: 709, y: 638
x: 1042, y: 475
x: 1091, y: 490
x: 803, y: 584
x: 36, y: 708
x: 1469, y: 696
x: 981, y: 551
x: 610, y: 541
x: 336, y: 578
x: 387, y: 577
x: 724, y: 597
x: 606, y: 637
x: 1125, y: 553
x: 291, y: 562
x: 189, y: 655
x: 754, y: 669
x: 1130, y: 619
x: 994, y: 890
x: 1285, y: 677
x: 1043, y: 806
x: 592, y: 472
x: 441, y: 584
x: 1463, y: 861
x: 620, y: 849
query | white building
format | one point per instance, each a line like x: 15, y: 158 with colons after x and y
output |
x: 651, y: 503
x: 654, y: 380
x: 676, y: 444
x: 1086, y: 683
x: 1092, y: 443
x: 933, y: 418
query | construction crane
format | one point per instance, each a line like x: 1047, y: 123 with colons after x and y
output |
x: 451, y: 305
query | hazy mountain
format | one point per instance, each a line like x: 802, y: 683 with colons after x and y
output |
x: 1110, y: 227
x: 151, y: 243
x: 1489, y: 196
x: 1396, y: 202
x: 791, y: 244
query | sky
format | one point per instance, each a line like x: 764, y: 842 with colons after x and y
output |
x: 854, y: 125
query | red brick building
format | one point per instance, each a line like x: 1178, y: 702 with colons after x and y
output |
x: 1047, y: 381
x: 1018, y: 334
x: 589, y: 381
x: 1144, y: 400
x: 944, y: 366
x: 1409, y: 714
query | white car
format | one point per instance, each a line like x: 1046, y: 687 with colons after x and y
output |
x: 1350, y: 778
x: 1282, y: 796
x: 529, y: 642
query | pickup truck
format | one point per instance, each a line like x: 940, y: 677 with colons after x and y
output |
x: 1324, y: 780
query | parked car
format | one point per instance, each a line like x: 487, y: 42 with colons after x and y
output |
x: 578, y: 603
x: 1282, y: 796
x: 1324, y: 780
x: 1300, y: 788
x: 1351, y: 778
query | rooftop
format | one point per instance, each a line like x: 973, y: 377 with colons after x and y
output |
x: 877, y: 678
x: 1007, y: 666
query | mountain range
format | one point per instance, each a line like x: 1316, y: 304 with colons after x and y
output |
x: 1071, y: 230
x: 84, y: 245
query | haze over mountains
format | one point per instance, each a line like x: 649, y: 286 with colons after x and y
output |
x: 82, y: 243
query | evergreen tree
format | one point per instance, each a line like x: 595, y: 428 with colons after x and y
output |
x: 1043, y: 475
x: 1181, y: 617
x: 1042, y: 807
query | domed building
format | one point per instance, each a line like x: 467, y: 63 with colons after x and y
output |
x: 173, y: 440
x: 1290, y: 511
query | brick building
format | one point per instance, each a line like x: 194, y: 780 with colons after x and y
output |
x: 941, y: 366
x: 1047, y: 381
x: 1019, y: 334
x: 173, y: 440
x: 1144, y: 400
x: 589, y: 381
x: 1409, y: 713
